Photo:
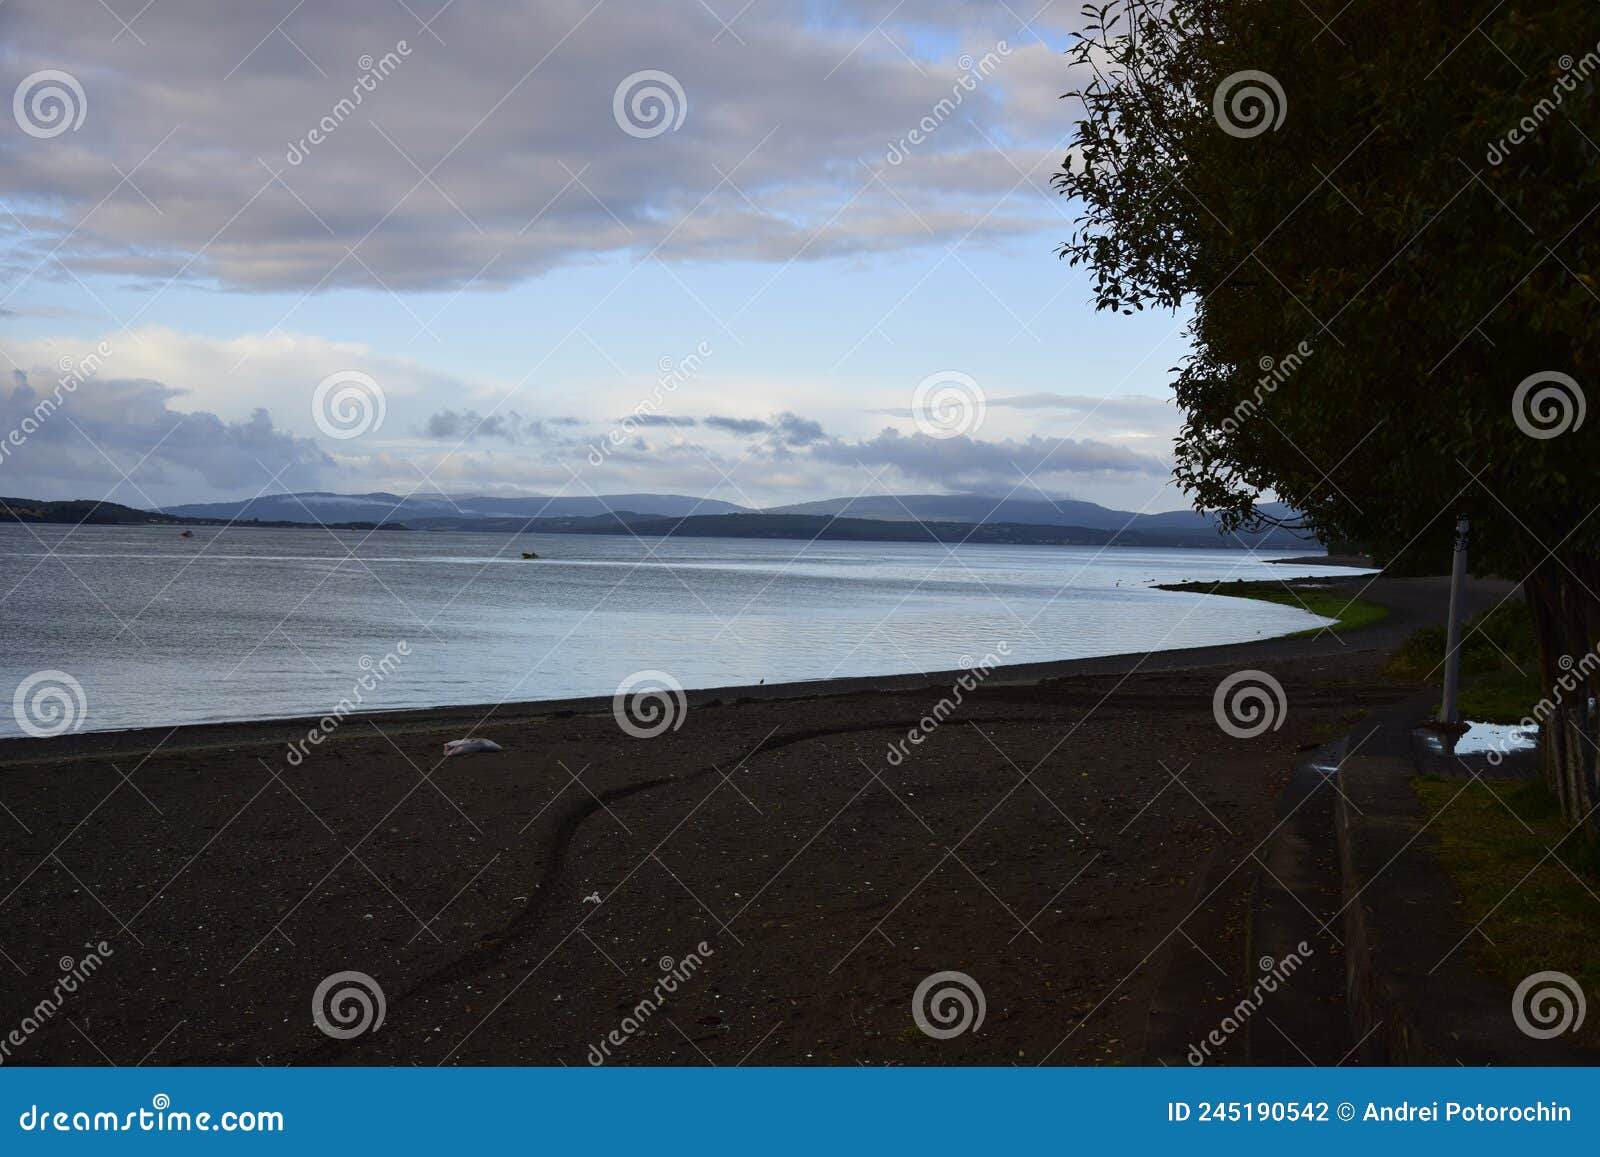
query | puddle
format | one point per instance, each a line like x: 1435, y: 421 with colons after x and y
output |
x: 1502, y: 737
x: 1479, y: 739
x: 1326, y: 760
x: 1492, y: 749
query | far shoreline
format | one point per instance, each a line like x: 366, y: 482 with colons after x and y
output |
x: 1354, y: 561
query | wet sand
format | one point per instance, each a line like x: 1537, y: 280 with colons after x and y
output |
x: 1045, y: 838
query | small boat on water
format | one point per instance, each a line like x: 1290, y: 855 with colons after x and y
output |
x: 529, y: 554
x: 187, y: 534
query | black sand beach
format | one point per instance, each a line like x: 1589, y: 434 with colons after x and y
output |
x: 1046, y: 838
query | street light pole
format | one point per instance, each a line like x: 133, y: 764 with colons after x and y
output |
x: 1452, y: 655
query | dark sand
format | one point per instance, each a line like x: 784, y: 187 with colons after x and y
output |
x: 1046, y: 840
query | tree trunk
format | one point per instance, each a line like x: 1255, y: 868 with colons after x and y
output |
x: 1566, y: 617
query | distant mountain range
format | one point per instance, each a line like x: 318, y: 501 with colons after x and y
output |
x: 436, y: 512
x: 1032, y: 511
x: 908, y: 518
x: 650, y: 514
x: 768, y: 524
x: 90, y: 512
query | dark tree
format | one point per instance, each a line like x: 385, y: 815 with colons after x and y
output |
x: 1382, y: 219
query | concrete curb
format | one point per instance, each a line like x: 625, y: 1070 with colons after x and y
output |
x: 1413, y: 993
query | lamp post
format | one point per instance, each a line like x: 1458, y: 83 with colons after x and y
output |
x: 1452, y: 655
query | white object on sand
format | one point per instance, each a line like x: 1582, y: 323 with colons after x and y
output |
x: 470, y: 746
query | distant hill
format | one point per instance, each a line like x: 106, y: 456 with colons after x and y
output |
x: 437, y: 512
x: 83, y: 510
x: 1043, y: 512
x: 489, y: 514
x: 938, y: 518
x: 90, y: 512
x: 829, y: 528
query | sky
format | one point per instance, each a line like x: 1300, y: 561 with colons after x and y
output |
x: 762, y: 251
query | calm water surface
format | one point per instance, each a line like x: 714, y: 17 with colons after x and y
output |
x: 251, y: 623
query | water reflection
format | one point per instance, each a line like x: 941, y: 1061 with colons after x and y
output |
x: 1498, y: 750
x: 251, y: 622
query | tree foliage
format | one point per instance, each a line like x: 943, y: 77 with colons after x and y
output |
x: 1382, y: 217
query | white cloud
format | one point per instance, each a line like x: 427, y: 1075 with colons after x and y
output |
x: 121, y: 438
x: 235, y: 376
x: 974, y: 464
x: 804, y: 439
x: 491, y: 152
